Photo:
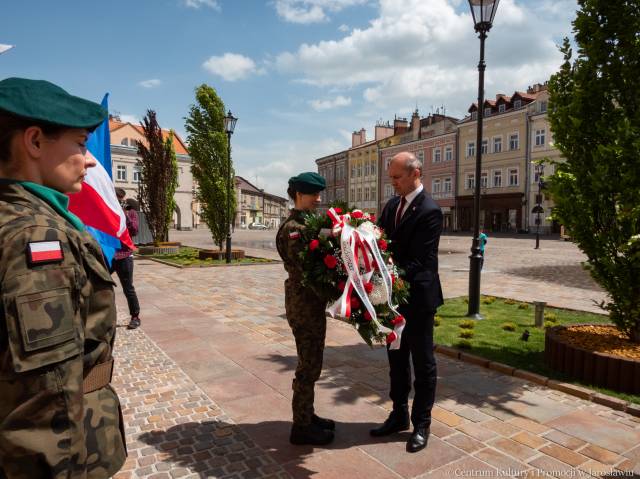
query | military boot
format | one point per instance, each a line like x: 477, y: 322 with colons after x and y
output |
x: 324, y: 423
x: 312, y: 435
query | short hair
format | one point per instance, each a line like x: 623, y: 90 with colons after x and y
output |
x: 11, y: 124
x: 411, y: 162
x: 120, y: 193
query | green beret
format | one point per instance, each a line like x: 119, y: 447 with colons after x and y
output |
x: 43, y: 101
x: 308, y: 182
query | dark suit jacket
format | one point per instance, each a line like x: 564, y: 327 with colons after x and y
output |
x: 414, y: 244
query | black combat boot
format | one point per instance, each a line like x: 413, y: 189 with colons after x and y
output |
x: 324, y: 423
x: 312, y: 435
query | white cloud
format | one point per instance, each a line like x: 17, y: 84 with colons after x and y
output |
x: 4, y: 48
x: 126, y: 118
x: 231, y: 66
x: 202, y: 3
x: 154, y: 82
x: 432, y: 58
x: 343, y: 28
x: 311, y: 11
x: 322, y: 105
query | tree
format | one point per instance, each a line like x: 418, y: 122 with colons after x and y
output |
x: 208, y: 150
x: 159, y: 177
x: 595, y: 119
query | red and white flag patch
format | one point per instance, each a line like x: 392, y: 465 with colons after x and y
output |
x: 294, y: 235
x: 40, y: 252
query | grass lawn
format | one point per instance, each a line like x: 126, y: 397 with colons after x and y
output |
x: 493, y: 342
x: 188, y: 257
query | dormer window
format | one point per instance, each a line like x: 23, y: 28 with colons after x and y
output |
x: 517, y: 104
x: 543, y: 106
x: 474, y: 115
x: 502, y: 108
x: 487, y: 111
x: 125, y: 142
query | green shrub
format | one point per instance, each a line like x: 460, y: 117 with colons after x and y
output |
x: 437, y: 320
x: 467, y: 324
x: 510, y: 301
x: 488, y: 299
x: 551, y: 317
x: 508, y: 326
x: 523, y: 306
x: 466, y: 333
x: 549, y: 324
x: 466, y: 300
x: 463, y: 344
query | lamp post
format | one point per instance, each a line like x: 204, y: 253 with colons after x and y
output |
x: 229, y: 125
x: 537, y: 209
x: 483, y: 12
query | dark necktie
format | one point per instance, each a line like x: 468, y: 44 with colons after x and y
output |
x: 403, y: 201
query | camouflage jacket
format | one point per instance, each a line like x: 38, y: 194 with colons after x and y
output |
x: 57, y: 321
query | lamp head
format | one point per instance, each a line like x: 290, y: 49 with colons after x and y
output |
x: 229, y: 123
x: 483, y: 12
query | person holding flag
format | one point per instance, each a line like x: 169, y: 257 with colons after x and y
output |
x: 59, y: 415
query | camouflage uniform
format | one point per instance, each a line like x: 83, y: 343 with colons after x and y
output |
x: 306, y: 316
x: 57, y: 323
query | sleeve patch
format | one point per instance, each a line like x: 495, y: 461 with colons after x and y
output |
x: 40, y: 252
x: 294, y: 235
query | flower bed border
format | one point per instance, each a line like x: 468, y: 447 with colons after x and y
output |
x: 605, y: 370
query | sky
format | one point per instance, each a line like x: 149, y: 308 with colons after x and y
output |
x: 300, y: 75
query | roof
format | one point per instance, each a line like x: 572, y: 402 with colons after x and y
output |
x: 247, y: 186
x: 178, y: 144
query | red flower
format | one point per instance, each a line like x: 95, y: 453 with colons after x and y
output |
x: 367, y: 316
x: 368, y: 287
x: 330, y: 261
x: 314, y: 244
x: 393, y: 279
x: 382, y: 244
x: 397, y: 320
x: 338, y: 210
x: 357, y: 214
x: 355, y: 303
x: 342, y: 285
x: 372, y: 217
x: 391, y: 337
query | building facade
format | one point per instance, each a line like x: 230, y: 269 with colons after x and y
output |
x: 256, y: 206
x: 334, y: 170
x: 126, y: 171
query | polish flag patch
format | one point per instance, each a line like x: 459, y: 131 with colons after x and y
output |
x: 294, y: 235
x: 40, y: 252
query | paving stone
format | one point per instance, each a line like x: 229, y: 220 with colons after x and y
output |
x: 528, y: 439
x: 446, y: 417
x: 528, y: 425
x: 563, y: 454
x: 464, y: 442
x: 552, y: 467
x: 513, y: 448
x: 600, y: 454
x: 565, y: 440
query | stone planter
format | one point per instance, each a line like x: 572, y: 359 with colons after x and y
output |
x: 215, y: 254
x: 599, y: 369
x: 163, y: 247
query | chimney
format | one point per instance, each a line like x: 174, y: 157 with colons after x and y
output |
x: 400, y: 125
x: 383, y: 131
x: 358, y: 138
x: 415, y: 125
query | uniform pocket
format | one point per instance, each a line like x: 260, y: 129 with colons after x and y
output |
x: 42, y: 317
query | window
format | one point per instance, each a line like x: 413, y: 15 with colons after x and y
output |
x: 386, y: 163
x: 513, y: 176
x: 366, y: 169
x: 133, y: 143
x: 487, y: 111
x: 484, y: 179
x: 373, y: 167
x: 471, y: 181
x: 437, y: 158
x: 121, y: 173
x: 537, y: 172
x: 514, y: 141
x: 366, y: 193
x: 435, y: 186
x: 359, y: 170
x: 497, y: 144
x: 388, y: 191
x: 330, y: 174
x: 373, y: 193
x: 359, y: 194
x: 474, y: 115
x: 485, y: 146
x: 125, y: 142
x: 448, y: 153
x: 543, y: 106
x: 502, y: 108
x: 497, y: 178
x: 471, y: 149
x: 352, y: 196
x: 136, y: 174
x: 420, y: 156
x: 517, y: 104
x: 340, y: 194
x: 447, y: 185
x: 540, y: 134
x: 353, y: 171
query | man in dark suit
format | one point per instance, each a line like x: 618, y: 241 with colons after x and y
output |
x: 413, y: 222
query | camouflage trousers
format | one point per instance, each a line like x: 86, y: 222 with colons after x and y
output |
x: 308, y: 323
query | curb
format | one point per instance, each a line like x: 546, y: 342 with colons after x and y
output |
x: 568, y: 388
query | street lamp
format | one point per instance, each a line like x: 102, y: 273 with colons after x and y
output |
x: 483, y: 12
x: 538, y: 209
x: 229, y: 125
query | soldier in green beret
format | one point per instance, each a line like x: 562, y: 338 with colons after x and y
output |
x: 59, y: 416
x: 305, y: 314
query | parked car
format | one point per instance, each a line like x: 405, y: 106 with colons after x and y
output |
x: 258, y: 226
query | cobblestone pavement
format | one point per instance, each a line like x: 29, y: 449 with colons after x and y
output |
x: 206, y: 385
